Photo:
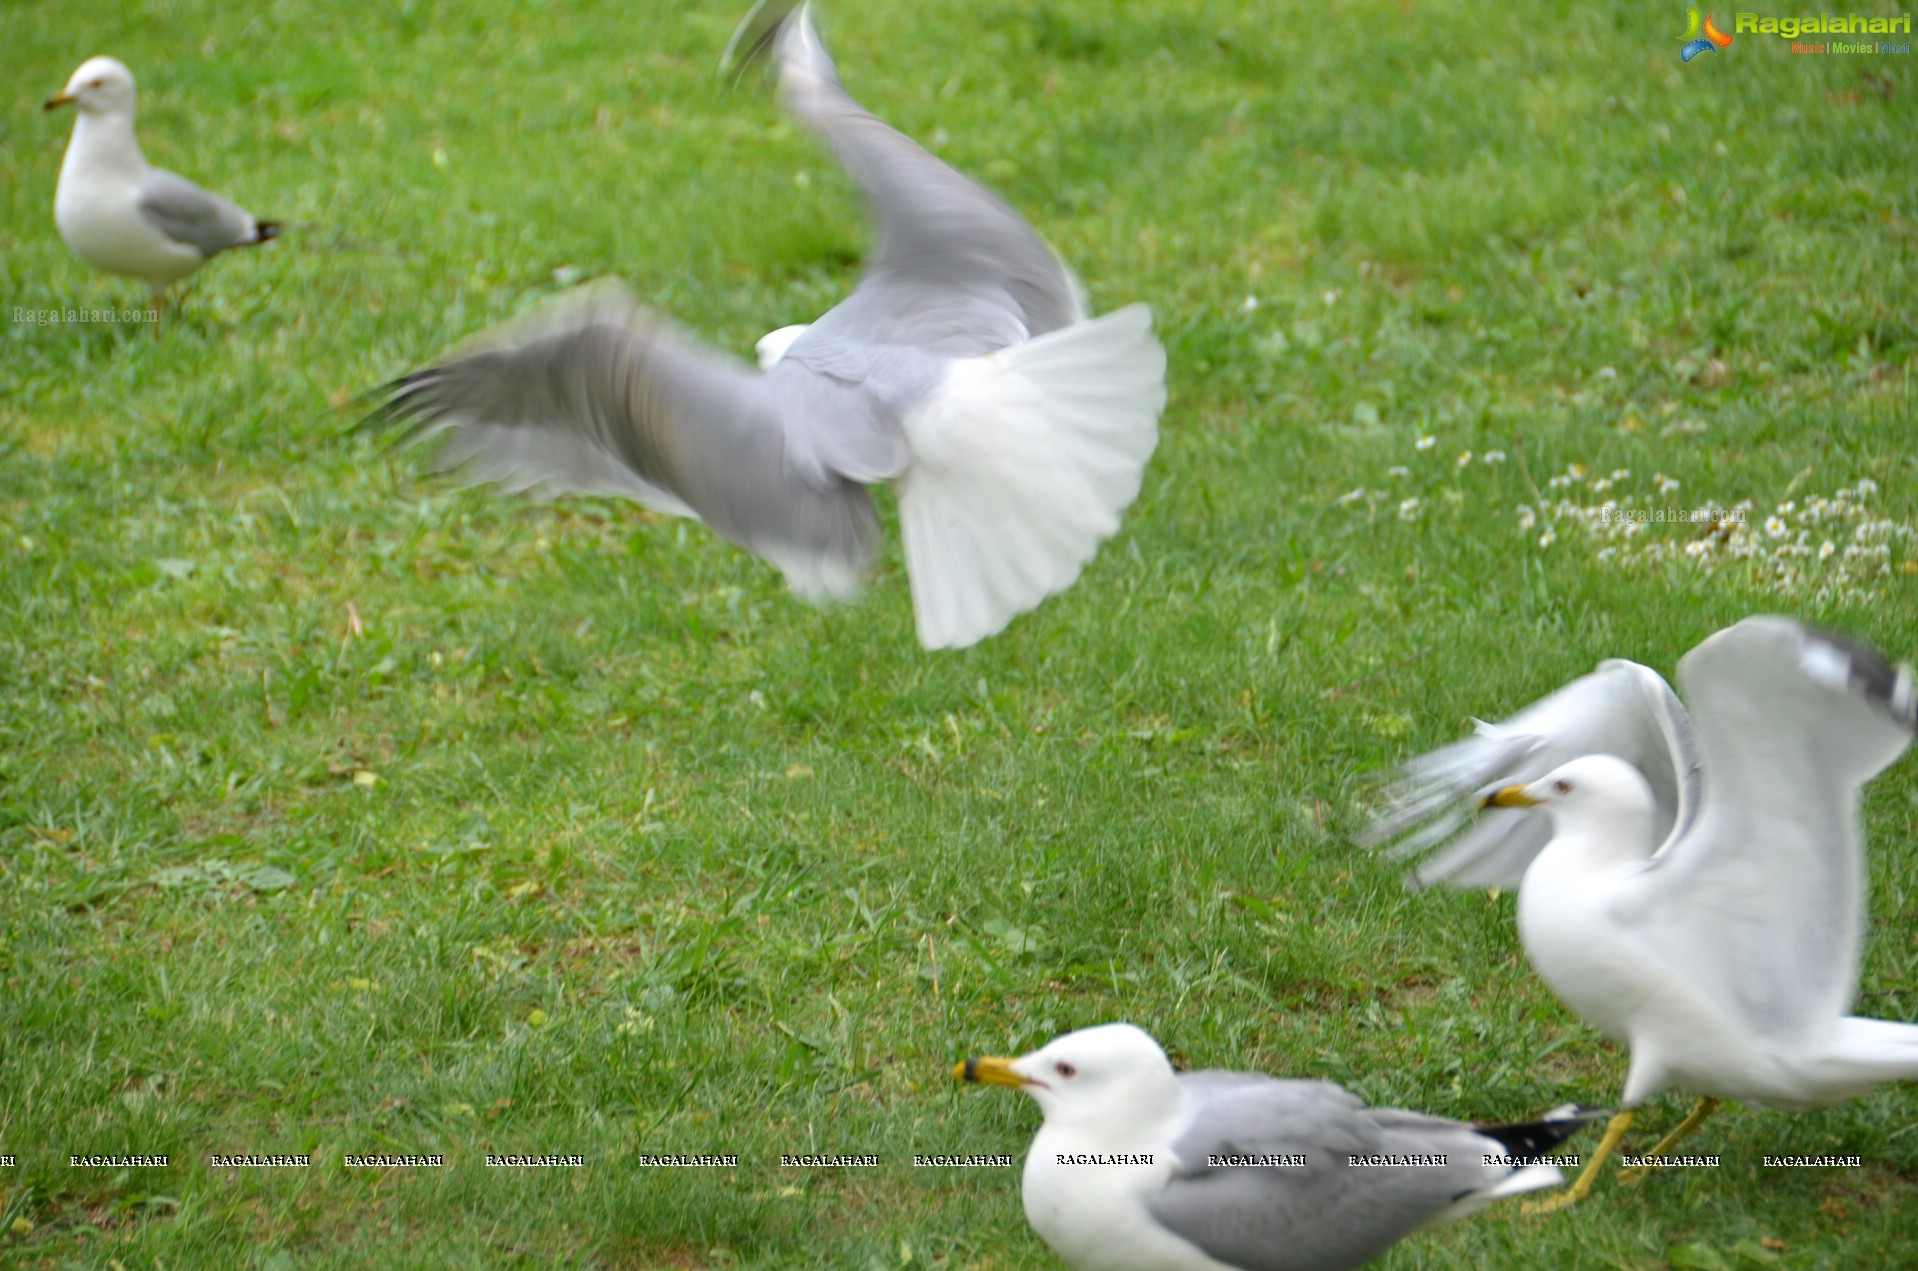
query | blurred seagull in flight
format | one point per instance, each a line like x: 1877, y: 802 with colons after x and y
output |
x: 963, y: 368
x: 1140, y: 1168
x: 120, y: 213
x: 1692, y: 884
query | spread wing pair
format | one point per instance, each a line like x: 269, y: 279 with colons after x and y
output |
x: 963, y: 368
x: 1692, y: 883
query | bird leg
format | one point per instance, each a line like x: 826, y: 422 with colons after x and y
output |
x: 1700, y: 1110
x: 1614, y: 1131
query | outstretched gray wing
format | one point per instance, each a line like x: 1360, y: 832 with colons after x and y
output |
x: 1621, y: 709
x: 198, y: 218
x: 1327, y: 1214
x: 956, y: 271
x: 599, y: 398
x: 1762, y: 899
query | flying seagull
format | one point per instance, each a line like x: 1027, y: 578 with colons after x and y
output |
x: 963, y: 368
x: 1139, y: 1168
x: 1691, y: 884
x: 120, y: 213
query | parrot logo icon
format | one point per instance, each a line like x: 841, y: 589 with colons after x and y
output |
x: 1701, y: 37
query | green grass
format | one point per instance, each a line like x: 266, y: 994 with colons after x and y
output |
x: 345, y: 811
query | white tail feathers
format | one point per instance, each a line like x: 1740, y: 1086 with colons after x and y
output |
x: 1522, y: 1179
x: 1022, y: 462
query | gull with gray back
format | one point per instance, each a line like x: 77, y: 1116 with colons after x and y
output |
x: 963, y: 368
x: 121, y: 214
x: 1140, y: 1168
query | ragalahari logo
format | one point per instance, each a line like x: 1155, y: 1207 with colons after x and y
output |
x: 1695, y: 42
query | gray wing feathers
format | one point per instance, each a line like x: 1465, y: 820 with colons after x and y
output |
x: 1792, y: 722
x: 187, y: 214
x: 941, y: 234
x: 1327, y: 1214
x: 599, y: 398
x: 1621, y: 709
x: 845, y: 401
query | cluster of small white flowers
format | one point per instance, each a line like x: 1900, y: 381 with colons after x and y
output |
x: 1828, y: 548
x: 1574, y: 474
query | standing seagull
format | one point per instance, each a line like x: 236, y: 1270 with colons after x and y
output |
x: 1693, y: 885
x: 121, y: 214
x: 1139, y: 1168
x: 963, y: 368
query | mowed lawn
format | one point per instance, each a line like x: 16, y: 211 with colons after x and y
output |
x: 346, y: 811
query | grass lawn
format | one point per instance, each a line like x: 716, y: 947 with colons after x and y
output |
x: 346, y: 811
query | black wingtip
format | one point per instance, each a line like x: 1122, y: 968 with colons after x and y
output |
x: 265, y: 232
x: 1536, y: 1138
x: 397, y: 404
x: 1872, y: 674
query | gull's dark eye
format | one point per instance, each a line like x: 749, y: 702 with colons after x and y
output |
x: 1065, y: 1070
x: 1562, y: 786
x: 98, y: 83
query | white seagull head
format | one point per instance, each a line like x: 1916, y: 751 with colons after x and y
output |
x: 1106, y: 1076
x: 102, y: 86
x: 1601, y: 793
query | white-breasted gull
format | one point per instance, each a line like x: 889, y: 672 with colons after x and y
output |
x: 121, y: 214
x: 1690, y: 883
x: 1141, y: 1168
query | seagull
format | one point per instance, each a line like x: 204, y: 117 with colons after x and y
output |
x: 963, y: 368
x: 1139, y: 1168
x: 1692, y: 884
x: 120, y: 213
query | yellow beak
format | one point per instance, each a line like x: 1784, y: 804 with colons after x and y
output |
x: 56, y: 101
x: 1509, y: 797
x: 988, y: 1072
